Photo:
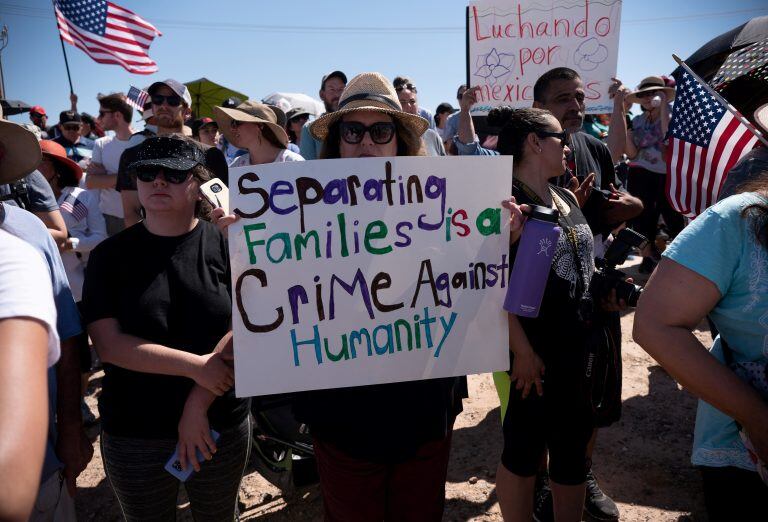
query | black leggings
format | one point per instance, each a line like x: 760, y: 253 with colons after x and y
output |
x: 650, y: 188
x: 732, y: 493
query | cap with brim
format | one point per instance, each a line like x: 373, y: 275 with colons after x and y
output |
x: 179, y: 88
x: 333, y: 74
x: 445, y: 107
x: 57, y: 153
x: 21, y: 151
x: 651, y: 83
x: 297, y: 111
x: 369, y: 92
x: 36, y: 109
x: 69, y: 117
x: 167, y: 152
x: 249, y: 112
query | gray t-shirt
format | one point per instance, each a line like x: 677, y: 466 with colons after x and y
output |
x: 39, y: 193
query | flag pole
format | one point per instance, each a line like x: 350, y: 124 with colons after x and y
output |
x: 722, y: 100
x: 63, y: 49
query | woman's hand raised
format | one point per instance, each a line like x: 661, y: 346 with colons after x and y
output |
x: 516, y: 218
x: 222, y: 220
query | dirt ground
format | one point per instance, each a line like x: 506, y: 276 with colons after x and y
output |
x: 642, y: 461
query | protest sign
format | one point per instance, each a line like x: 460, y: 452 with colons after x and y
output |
x: 365, y: 271
x: 511, y: 43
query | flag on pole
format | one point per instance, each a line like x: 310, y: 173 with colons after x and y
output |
x: 751, y: 61
x: 137, y: 98
x: 107, y: 33
x: 705, y: 141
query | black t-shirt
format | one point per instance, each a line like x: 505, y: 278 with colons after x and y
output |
x: 174, y: 291
x: 558, y: 325
x: 588, y: 155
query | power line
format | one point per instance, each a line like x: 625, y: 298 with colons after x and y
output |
x: 34, y: 12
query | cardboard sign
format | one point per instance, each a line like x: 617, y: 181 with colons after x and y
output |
x: 512, y: 43
x: 365, y: 271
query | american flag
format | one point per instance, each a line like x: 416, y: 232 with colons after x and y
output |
x: 751, y: 61
x: 137, y: 97
x: 74, y: 206
x: 706, y: 140
x: 107, y: 33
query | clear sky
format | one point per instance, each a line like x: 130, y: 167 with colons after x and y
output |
x: 258, y: 47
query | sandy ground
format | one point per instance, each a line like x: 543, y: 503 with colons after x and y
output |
x: 642, y: 461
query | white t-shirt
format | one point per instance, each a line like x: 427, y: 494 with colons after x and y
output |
x: 25, y: 288
x: 284, y: 155
x: 107, y: 151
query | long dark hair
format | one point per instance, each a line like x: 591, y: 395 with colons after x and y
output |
x: 408, y: 143
x: 757, y: 212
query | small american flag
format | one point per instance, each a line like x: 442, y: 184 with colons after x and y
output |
x: 74, y: 206
x: 750, y: 61
x: 137, y: 98
x: 706, y: 140
x: 107, y: 33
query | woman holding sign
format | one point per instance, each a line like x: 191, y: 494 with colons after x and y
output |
x: 550, y: 406
x: 158, y: 307
x: 382, y: 450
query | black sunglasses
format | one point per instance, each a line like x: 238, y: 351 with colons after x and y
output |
x: 103, y: 112
x: 353, y: 132
x: 71, y: 126
x: 149, y: 173
x: 403, y: 86
x: 563, y: 136
x: 173, y: 100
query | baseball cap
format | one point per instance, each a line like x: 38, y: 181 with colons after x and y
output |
x: 168, y: 152
x: 69, y: 117
x: 179, y: 88
x: 445, y: 107
x: 200, y: 123
x: 334, y: 74
x: 296, y: 111
x: 38, y: 110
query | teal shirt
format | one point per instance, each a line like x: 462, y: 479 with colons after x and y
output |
x: 721, y: 246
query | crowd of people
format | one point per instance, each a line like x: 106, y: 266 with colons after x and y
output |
x: 106, y: 241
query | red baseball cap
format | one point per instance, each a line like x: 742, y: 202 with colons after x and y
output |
x: 38, y: 110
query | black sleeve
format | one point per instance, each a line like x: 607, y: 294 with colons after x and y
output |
x: 607, y: 169
x: 41, y: 198
x: 98, y: 293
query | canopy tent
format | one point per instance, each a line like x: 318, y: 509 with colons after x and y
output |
x: 292, y: 100
x: 207, y: 94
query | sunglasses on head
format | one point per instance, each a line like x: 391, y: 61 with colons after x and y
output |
x: 149, y: 173
x: 648, y: 94
x: 563, y: 136
x: 71, y: 127
x: 173, y: 100
x: 353, y: 132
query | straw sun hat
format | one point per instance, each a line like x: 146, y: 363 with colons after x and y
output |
x: 249, y: 112
x: 20, y: 152
x: 651, y: 83
x: 368, y: 92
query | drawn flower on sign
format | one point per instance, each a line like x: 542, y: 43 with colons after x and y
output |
x: 494, y: 65
x: 590, y: 54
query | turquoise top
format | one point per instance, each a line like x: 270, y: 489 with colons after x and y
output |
x: 721, y: 246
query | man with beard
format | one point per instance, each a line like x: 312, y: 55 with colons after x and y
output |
x: 171, y: 103
x: 331, y: 88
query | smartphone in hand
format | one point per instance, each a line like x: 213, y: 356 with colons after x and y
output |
x: 217, y: 194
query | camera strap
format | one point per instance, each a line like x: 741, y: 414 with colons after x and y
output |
x: 570, y: 234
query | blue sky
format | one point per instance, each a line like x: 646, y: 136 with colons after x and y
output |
x: 265, y: 46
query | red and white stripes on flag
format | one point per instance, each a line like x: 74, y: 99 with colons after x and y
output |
x: 706, y: 141
x: 137, y: 98
x: 74, y: 206
x: 107, y: 33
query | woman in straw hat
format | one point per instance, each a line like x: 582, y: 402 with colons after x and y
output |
x: 648, y: 166
x: 382, y: 450
x: 160, y: 327
x: 253, y: 126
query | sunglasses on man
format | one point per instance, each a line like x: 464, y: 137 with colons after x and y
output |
x: 102, y: 113
x: 173, y: 100
x: 403, y: 86
x: 562, y: 136
x: 353, y: 132
x: 149, y: 173
x: 71, y: 126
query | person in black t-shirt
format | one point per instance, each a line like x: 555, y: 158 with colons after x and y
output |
x: 550, y: 409
x: 157, y: 301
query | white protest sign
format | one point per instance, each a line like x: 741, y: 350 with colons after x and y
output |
x: 364, y: 271
x: 512, y: 43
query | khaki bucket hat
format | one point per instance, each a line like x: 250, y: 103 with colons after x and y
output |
x: 249, y: 112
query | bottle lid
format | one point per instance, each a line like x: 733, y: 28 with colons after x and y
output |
x: 550, y: 215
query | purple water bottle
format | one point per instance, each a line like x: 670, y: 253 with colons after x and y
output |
x: 532, y: 263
